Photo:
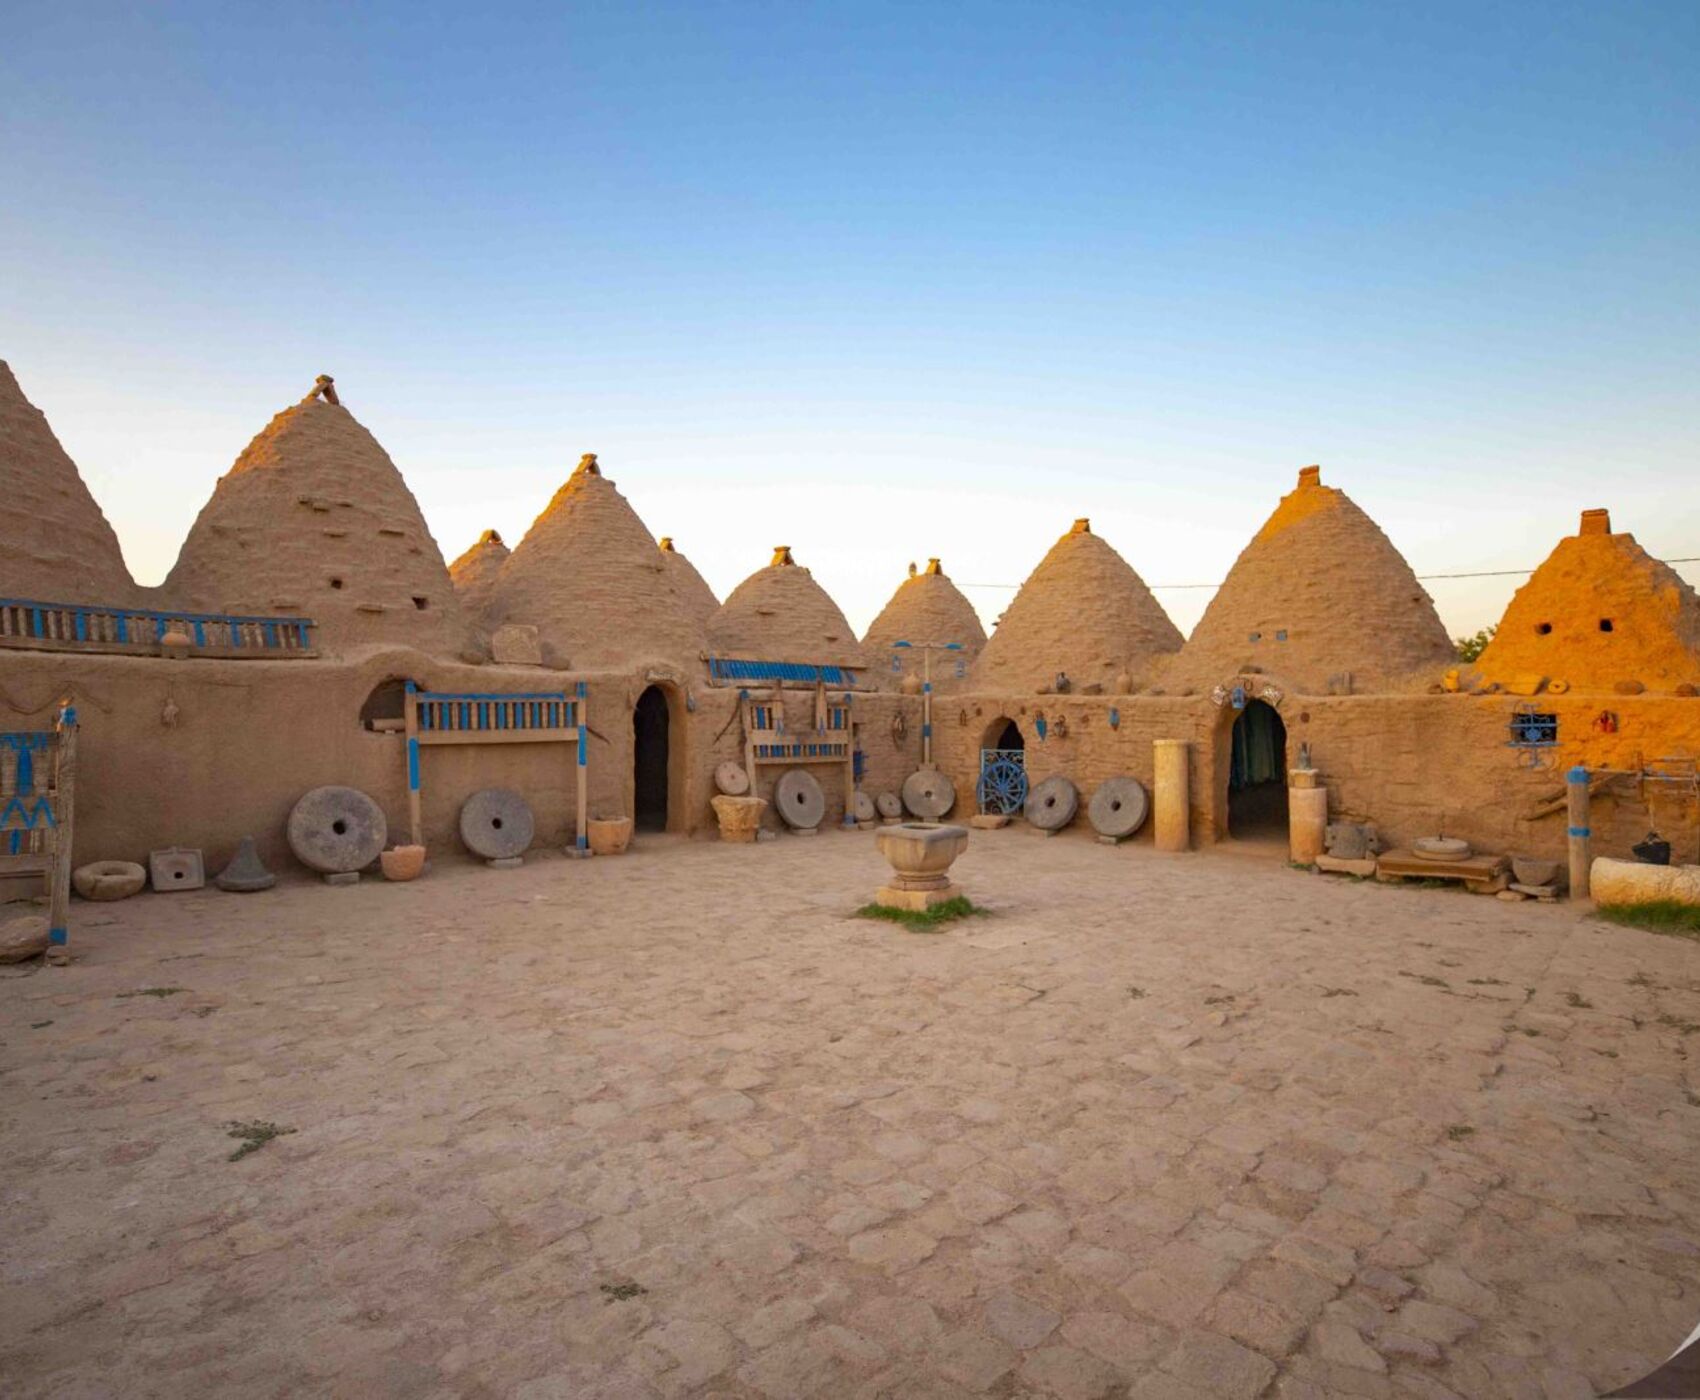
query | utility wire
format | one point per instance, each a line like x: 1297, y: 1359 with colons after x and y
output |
x: 1485, y: 573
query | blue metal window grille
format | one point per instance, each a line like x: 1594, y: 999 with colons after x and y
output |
x: 1531, y: 729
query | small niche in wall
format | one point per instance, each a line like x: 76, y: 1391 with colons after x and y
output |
x: 1542, y: 629
x: 336, y: 582
x: 1605, y: 624
x: 384, y: 711
x: 421, y: 602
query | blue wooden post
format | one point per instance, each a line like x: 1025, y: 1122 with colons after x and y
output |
x: 583, y: 717
x: 410, y: 721
x: 1581, y: 834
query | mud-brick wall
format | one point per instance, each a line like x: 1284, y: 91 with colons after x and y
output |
x: 1081, y: 743
x: 717, y: 736
x: 201, y: 753
x: 1419, y: 764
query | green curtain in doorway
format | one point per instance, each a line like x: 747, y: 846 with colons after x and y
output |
x: 1260, y: 741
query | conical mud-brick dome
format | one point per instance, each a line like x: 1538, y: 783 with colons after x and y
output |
x: 927, y: 607
x: 1083, y: 611
x: 694, y: 593
x: 474, y: 575
x: 1319, y: 599
x: 1599, y: 612
x: 781, y: 614
x: 315, y: 520
x: 55, y: 544
x: 588, y: 576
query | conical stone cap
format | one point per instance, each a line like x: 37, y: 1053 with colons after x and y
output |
x: 695, y: 595
x: 1083, y: 611
x: 927, y: 607
x: 315, y: 520
x: 246, y: 872
x: 588, y: 576
x: 781, y: 614
x: 55, y: 544
x: 1600, y: 611
x: 1319, y: 593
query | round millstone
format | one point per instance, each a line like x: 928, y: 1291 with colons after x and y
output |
x: 1118, y: 807
x: 889, y: 805
x: 335, y: 830
x: 863, y: 807
x: 799, y: 801
x: 496, y: 824
x: 1441, y: 848
x: 731, y: 779
x: 929, y: 794
x: 1051, y: 805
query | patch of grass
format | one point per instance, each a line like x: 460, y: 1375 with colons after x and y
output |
x: 152, y: 992
x: 254, y: 1135
x: 1338, y: 992
x: 1300, y: 865
x: 1510, y: 1029
x: 621, y: 1292
x: 1459, y: 1131
x: 1669, y: 916
x: 1640, y: 979
x: 1218, y: 1001
x: 40, y: 1025
x: 1137, y: 993
x: 923, y: 920
x: 1676, y: 1023
x: 1580, y: 1002
x: 1484, y: 982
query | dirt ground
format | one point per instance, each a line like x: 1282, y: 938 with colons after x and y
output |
x: 678, y: 1124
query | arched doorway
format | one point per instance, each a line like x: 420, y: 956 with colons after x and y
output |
x: 1001, y: 785
x: 1257, y: 773
x: 650, y: 743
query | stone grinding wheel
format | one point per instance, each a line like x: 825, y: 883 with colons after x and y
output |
x: 928, y: 794
x: 496, y: 824
x: 889, y: 804
x: 335, y: 830
x: 798, y: 800
x: 1118, y: 807
x: 1051, y: 805
x: 731, y: 779
x: 1441, y: 848
x: 864, y: 808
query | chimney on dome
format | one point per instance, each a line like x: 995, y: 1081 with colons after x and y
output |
x: 1082, y: 526
x: 1310, y: 476
x: 933, y: 567
x: 1595, y: 522
x: 781, y: 555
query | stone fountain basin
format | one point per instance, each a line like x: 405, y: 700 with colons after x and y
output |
x: 921, y: 848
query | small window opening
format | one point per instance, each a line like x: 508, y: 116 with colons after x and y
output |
x: 385, y: 709
x: 1605, y: 624
x: 1281, y: 636
x: 421, y: 602
x: 1542, y: 628
x: 1257, y: 636
x: 336, y: 582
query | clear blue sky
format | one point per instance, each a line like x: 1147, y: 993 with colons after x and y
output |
x: 880, y: 281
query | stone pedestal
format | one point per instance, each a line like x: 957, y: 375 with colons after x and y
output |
x: 921, y: 854
x: 1307, y: 816
x: 1171, y: 797
x: 739, y: 817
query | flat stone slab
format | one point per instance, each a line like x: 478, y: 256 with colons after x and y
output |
x: 1339, y: 865
x: 1409, y: 865
x: 343, y: 877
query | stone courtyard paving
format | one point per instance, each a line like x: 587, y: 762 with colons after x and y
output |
x: 676, y: 1124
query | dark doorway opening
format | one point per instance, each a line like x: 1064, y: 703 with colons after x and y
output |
x: 1009, y: 737
x: 649, y: 761
x: 1257, y: 773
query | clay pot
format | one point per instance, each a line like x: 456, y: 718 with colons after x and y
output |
x: 609, y: 836
x: 109, y: 879
x: 739, y: 817
x: 910, y: 685
x: 402, y: 862
x: 921, y: 853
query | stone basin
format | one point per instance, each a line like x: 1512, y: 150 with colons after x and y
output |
x: 921, y: 854
x: 739, y: 816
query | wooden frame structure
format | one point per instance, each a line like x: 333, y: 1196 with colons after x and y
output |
x: 767, y: 744
x: 38, y: 780
x: 538, y: 717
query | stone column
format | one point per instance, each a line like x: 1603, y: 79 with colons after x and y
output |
x: 1170, y: 796
x: 1581, y: 836
x: 1307, y: 815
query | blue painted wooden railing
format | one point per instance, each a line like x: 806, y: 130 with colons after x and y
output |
x: 724, y: 669
x: 25, y: 621
x: 472, y: 712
